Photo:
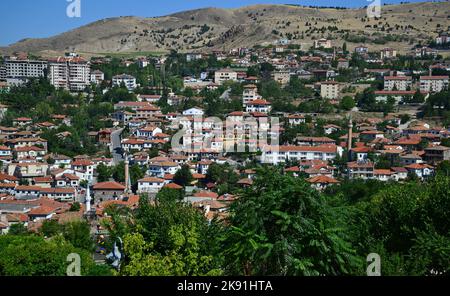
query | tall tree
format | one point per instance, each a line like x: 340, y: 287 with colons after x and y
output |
x: 183, y: 176
x: 281, y: 226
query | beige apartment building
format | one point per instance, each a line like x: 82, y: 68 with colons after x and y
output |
x: 329, y: 90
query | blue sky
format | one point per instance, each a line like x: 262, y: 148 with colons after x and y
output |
x: 43, y: 18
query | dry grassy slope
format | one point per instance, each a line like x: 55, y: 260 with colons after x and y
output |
x: 244, y: 26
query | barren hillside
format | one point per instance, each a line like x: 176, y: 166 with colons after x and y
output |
x: 213, y: 28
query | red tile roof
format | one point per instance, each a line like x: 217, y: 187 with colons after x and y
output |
x: 109, y: 186
x: 322, y: 180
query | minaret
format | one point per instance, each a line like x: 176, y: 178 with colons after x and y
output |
x: 127, y: 175
x: 88, y: 198
x: 350, y: 137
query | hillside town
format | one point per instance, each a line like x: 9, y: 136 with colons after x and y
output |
x: 80, y: 134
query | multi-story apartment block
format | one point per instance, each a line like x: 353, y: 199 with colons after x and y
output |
x: 397, y: 82
x: 282, y: 77
x: 97, y: 76
x: 71, y: 73
x: 16, y: 68
x: 437, y: 154
x: 128, y: 80
x: 250, y: 94
x: 2, y: 72
x: 193, y: 57
x: 281, y: 154
x: 329, y: 90
x: 360, y: 170
x: 425, y: 51
x: 223, y: 75
x: 387, y: 53
x: 433, y: 83
x: 443, y: 38
x: 150, y: 185
x: 258, y: 106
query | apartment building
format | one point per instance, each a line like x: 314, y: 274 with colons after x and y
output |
x: 425, y: 52
x: 150, y: 185
x: 324, y: 43
x: 71, y: 73
x: 250, y: 94
x: 223, y: 75
x: 437, y: 154
x: 397, y: 82
x: 387, y: 53
x: 282, y: 77
x: 329, y: 90
x: 128, y: 80
x: 281, y: 154
x: 16, y: 68
x: 97, y: 76
x: 360, y: 170
x: 2, y: 72
x: 261, y: 106
x: 433, y: 83
x: 443, y: 38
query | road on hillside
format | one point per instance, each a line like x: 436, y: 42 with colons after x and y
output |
x: 116, y: 148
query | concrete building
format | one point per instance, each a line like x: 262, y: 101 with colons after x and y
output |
x: 387, y: 53
x: 360, y: 170
x: 2, y: 72
x: 97, y: 76
x: 282, y: 77
x: 433, y: 83
x: 24, y: 68
x: 437, y: 154
x: 190, y: 57
x: 443, y: 38
x: 223, y: 75
x: 71, y: 73
x: 324, y: 43
x: 150, y: 185
x: 108, y: 191
x: 281, y: 154
x: 128, y: 80
x: 397, y: 82
x: 250, y: 94
x: 261, y: 106
x: 329, y: 90
x: 362, y: 50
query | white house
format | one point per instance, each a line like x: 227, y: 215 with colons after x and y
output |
x: 280, y: 154
x: 296, y: 119
x: 258, y: 106
x: 193, y: 111
x: 128, y: 80
x: 150, y: 185
x: 159, y: 169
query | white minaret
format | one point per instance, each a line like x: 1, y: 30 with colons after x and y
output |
x: 127, y: 175
x: 350, y: 137
x: 88, y: 198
